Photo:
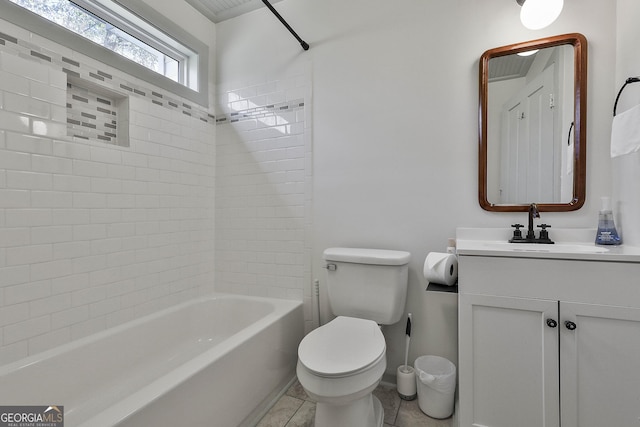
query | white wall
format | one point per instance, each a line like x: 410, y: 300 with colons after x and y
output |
x: 92, y: 234
x: 395, y: 94
x: 626, y: 169
x: 627, y: 58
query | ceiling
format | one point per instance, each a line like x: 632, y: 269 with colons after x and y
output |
x: 220, y: 10
x: 509, y: 67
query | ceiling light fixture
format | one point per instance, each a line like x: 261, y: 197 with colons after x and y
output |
x: 528, y: 53
x: 537, y: 14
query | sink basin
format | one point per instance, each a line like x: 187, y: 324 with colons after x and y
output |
x: 571, y: 243
x: 560, y: 248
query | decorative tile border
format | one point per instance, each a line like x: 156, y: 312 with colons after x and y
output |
x: 260, y: 112
x: 76, y: 69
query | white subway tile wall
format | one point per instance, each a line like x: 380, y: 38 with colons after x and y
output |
x: 92, y: 234
x: 263, y: 189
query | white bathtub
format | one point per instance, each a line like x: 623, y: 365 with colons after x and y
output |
x: 215, y: 361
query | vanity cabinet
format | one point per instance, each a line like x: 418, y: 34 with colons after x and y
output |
x: 508, y: 362
x: 548, y: 342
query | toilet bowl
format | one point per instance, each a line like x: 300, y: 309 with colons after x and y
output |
x: 342, y: 362
x: 339, y: 365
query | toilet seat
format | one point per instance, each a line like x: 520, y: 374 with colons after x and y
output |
x: 343, y: 347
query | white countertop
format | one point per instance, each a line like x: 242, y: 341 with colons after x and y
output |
x: 570, y: 243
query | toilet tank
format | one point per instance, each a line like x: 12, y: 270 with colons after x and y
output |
x: 367, y: 283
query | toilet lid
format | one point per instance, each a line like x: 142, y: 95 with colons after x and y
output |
x: 342, y: 347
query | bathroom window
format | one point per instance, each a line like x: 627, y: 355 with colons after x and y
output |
x: 117, y: 32
x: 122, y: 30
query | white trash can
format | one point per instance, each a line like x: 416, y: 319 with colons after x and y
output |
x: 436, y: 384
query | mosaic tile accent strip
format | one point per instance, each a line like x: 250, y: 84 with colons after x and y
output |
x: 92, y: 116
x: 77, y: 69
x: 260, y: 112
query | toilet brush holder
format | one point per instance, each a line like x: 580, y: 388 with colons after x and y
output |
x: 406, y: 382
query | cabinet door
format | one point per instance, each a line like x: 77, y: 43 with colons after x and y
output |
x: 508, y: 359
x: 600, y: 365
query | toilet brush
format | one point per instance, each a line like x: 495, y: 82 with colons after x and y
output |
x: 406, y: 375
x: 408, y: 340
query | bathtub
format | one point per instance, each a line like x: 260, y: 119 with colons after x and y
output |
x: 214, y: 361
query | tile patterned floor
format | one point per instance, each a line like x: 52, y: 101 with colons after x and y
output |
x: 296, y: 409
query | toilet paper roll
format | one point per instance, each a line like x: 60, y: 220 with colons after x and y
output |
x: 441, y: 268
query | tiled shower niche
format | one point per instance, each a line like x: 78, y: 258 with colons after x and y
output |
x: 96, y: 113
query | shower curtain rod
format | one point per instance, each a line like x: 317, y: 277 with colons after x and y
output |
x: 303, y: 43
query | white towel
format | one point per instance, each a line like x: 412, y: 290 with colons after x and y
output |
x: 625, y: 132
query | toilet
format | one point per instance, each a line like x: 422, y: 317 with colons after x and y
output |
x: 342, y: 362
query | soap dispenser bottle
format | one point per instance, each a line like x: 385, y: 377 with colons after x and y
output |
x: 607, y: 233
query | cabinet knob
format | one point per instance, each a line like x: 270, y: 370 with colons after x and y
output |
x: 551, y: 323
x: 570, y: 325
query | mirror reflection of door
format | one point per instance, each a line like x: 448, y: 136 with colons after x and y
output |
x: 528, y: 158
x: 527, y: 127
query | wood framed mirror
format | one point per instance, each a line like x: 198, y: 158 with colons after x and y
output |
x: 532, y: 125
